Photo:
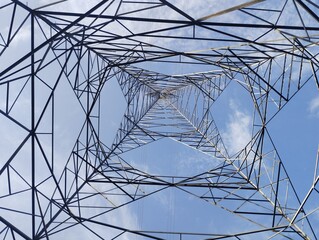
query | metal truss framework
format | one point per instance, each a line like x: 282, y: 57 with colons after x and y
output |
x: 117, y: 40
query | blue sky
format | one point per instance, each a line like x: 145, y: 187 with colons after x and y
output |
x: 294, y: 130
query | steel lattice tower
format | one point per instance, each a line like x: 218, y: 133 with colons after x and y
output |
x: 173, y: 61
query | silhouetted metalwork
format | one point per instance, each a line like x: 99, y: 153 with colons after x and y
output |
x: 269, y: 48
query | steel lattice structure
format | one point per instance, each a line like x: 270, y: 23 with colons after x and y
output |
x: 172, y: 60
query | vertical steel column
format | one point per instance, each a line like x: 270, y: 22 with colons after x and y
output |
x: 33, y: 161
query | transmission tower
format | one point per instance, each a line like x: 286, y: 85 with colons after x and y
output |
x: 172, y: 61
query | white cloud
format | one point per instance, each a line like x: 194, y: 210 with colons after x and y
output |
x: 314, y: 106
x: 123, y: 216
x: 192, y: 162
x: 238, y: 129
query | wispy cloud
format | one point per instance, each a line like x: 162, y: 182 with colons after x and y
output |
x: 238, y: 129
x: 314, y: 106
